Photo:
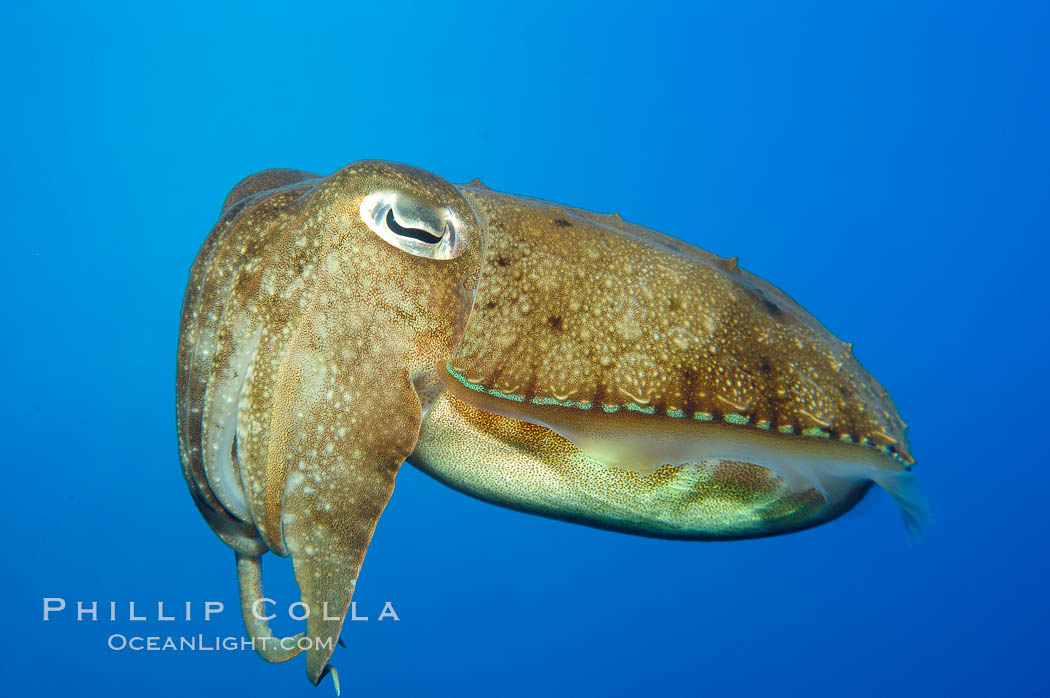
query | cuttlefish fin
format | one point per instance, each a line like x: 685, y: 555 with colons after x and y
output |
x: 629, y: 440
x: 343, y: 423
x: 903, y: 486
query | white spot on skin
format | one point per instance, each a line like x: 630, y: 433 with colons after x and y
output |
x: 332, y: 264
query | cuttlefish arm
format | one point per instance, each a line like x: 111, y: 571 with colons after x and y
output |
x: 342, y: 425
x: 329, y: 307
x: 339, y: 457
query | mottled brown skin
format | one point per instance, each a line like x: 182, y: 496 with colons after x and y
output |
x: 349, y: 330
x: 315, y: 356
x: 583, y: 307
x: 228, y: 270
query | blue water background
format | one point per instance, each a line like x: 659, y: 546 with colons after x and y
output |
x: 887, y: 165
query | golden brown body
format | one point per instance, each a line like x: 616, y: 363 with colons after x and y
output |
x: 538, y: 356
x: 588, y: 308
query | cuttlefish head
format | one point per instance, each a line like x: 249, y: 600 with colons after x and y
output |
x: 317, y: 312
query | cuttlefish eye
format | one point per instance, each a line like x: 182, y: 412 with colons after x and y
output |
x: 417, y: 228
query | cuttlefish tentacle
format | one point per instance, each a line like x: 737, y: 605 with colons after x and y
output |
x: 271, y: 648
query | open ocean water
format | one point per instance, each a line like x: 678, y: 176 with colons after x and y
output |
x: 886, y: 164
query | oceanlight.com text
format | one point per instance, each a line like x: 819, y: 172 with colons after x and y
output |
x: 199, y: 643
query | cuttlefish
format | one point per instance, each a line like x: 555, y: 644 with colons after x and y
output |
x: 538, y: 356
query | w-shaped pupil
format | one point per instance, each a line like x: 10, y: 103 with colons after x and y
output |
x: 414, y: 233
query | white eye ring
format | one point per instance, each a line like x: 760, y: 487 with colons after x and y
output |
x: 415, y: 228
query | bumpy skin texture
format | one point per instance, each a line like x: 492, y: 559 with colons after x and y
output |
x: 586, y: 308
x: 315, y: 357
x: 305, y: 343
